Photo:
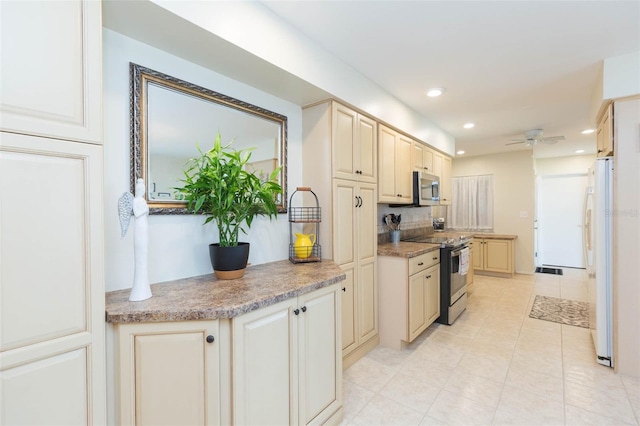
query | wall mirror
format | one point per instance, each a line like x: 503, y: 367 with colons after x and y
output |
x: 170, y: 118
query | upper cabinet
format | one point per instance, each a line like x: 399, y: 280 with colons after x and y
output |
x: 353, y: 145
x: 421, y: 158
x: 442, y: 168
x: 604, y: 133
x: 53, y: 92
x: 394, y: 165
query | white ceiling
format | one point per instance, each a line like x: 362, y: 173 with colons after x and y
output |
x: 508, y: 66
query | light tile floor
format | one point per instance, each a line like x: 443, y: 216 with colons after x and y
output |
x: 494, y: 365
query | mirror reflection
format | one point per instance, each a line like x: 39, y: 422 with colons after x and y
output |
x: 176, y: 117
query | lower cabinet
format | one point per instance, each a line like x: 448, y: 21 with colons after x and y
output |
x: 410, y: 289
x: 493, y: 255
x: 287, y: 362
x: 281, y: 364
x: 169, y: 373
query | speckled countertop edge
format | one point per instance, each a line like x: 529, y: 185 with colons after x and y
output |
x: 406, y: 249
x: 205, y: 297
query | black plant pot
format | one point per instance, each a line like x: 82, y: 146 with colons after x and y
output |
x: 229, y: 262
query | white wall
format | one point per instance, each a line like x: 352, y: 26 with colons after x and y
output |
x: 238, y: 22
x: 564, y: 165
x: 513, y: 179
x: 178, y: 245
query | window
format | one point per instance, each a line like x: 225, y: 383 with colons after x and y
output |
x: 472, y: 204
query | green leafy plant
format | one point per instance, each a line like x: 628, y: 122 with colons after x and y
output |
x: 218, y: 185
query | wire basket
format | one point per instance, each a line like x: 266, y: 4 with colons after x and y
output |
x: 302, y: 215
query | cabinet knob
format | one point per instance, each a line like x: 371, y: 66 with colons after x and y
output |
x: 296, y: 311
x: 344, y: 289
x: 428, y: 276
x: 398, y: 195
x: 210, y: 339
x: 434, y: 258
x: 421, y: 263
x: 599, y: 151
x: 304, y: 309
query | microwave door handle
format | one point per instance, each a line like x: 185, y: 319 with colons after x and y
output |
x: 435, y: 190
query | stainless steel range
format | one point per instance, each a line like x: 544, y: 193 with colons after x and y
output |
x: 453, y: 285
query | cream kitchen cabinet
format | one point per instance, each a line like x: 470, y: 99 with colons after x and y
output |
x: 394, y: 167
x: 604, y: 133
x: 349, y: 234
x: 52, y: 69
x: 52, y: 344
x: 354, y: 216
x: 353, y: 145
x: 410, y: 289
x: 471, y: 263
x: 442, y: 168
x: 169, y: 373
x: 421, y: 158
x: 493, y: 255
x: 287, y: 366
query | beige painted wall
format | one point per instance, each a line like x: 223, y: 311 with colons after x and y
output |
x: 513, y: 178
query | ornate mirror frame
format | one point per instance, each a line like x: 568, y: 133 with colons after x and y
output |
x: 140, y: 79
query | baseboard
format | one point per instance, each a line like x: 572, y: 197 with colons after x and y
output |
x: 360, y: 351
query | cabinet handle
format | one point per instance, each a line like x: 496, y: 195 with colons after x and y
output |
x: 398, y: 195
x: 304, y: 309
x: 434, y: 258
x: 428, y: 276
x: 296, y: 311
x: 599, y: 151
x: 361, y: 201
x: 210, y: 339
x: 344, y: 289
x: 421, y: 263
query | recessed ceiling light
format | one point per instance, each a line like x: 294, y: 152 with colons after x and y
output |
x: 580, y: 151
x: 435, y: 92
x: 469, y: 126
x: 460, y: 152
x: 587, y: 131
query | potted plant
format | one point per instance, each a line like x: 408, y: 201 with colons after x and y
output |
x: 218, y: 185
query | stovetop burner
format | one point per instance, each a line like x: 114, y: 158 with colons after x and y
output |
x: 448, y: 242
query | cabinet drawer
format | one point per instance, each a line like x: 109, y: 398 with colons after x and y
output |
x: 424, y: 261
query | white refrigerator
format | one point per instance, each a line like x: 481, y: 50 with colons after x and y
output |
x: 598, y: 245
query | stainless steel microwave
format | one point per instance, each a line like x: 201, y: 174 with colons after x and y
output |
x: 426, y: 189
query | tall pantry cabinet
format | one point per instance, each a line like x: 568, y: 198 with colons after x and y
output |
x: 340, y: 160
x: 51, y: 214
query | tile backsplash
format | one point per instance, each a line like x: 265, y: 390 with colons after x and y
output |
x: 412, y: 217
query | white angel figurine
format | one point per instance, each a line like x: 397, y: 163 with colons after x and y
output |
x: 129, y: 205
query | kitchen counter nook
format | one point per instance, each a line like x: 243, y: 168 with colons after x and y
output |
x: 203, y: 350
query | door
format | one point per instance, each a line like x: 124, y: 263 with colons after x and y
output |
x: 52, y: 282
x: 560, y: 209
x: 417, y: 300
x: 320, y: 357
x: 264, y: 366
x: 169, y: 373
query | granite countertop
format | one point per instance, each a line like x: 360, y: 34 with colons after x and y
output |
x: 205, y: 297
x: 485, y: 235
x: 406, y: 249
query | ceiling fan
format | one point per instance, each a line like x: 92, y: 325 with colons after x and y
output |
x: 532, y: 137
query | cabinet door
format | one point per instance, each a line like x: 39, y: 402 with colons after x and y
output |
x: 478, y: 255
x: 366, y: 273
x: 265, y: 379
x: 387, y: 165
x: 51, y: 70
x: 432, y: 294
x: 367, y: 149
x: 417, y: 157
x: 604, y: 136
x: 52, y: 285
x: 169, y: 373
x: 445, y: 182
x: 349, y: 312
x: 403, y: 172
x: 344, y: 142
x: 417, y: 308
x: 497, y: 256
x: 320, y: 356
x: 344, y: 227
